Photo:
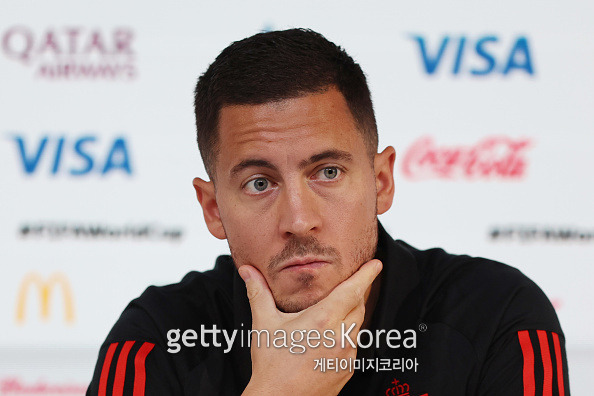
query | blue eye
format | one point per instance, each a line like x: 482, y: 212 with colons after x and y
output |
x: 258, y: 185
x: 331, y: 172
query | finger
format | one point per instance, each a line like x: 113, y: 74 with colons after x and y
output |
x: 351, y: 292
x: 261, y: 301
x: 357, y: 315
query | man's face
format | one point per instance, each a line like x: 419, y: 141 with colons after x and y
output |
x: 296, y: 194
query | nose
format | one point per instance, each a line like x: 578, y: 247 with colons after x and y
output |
x: 298, y: 211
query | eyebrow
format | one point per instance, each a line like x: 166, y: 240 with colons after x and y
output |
x: 262, y: 163
x: 338, y: 155
x: 252, y: 162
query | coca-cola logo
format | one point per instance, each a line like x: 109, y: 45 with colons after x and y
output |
x: 497, y: 157
x: 73, y: 52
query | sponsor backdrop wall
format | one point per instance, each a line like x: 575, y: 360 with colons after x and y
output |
x: 489, y: 109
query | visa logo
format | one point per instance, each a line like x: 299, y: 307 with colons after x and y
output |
x: 77, y: 156
x: 477, y: 56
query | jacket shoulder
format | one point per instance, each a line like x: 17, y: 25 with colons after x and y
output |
x: 467, y: 292
x: 199, y: 298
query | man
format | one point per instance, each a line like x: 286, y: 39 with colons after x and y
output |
x: 288, y: 137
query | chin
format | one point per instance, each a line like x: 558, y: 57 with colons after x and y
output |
x: 292, y: 304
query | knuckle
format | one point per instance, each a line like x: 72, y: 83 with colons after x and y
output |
x: 322, y: 320
x: 253, y: 293
x: 358, y: 293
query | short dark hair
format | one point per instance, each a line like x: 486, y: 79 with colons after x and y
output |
x: 278, y: 65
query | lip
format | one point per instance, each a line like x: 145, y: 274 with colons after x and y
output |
x: 304, y: 263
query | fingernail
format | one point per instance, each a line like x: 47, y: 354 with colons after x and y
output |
x: 244, y: 273
x: 378, y: 266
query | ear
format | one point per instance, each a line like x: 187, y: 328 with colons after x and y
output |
x: 384, y: 178
x: 205, y: 192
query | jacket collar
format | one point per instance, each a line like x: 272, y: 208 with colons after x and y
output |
x: 400, y: 276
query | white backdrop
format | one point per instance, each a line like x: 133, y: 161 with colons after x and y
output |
x: 489, y: 109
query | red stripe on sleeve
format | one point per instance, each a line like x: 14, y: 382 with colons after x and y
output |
x: 547, y: 386
x: 105, y: 369
x: 120, y: 375
x: 559, y: 359
x: 528, y: 371
x: 139, y: 368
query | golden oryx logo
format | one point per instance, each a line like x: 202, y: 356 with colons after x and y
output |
x: 45, y: 287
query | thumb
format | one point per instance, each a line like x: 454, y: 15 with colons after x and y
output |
x: 261, y: 300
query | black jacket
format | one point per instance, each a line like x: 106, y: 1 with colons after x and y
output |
x: 481, y: 328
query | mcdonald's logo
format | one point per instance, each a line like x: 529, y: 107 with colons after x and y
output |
x: 45, y: 290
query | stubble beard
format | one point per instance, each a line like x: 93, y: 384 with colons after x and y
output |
x: 366, y: 249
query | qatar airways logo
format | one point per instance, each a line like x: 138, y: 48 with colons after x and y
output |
x: 73, y: 52
x: 492, y: 158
